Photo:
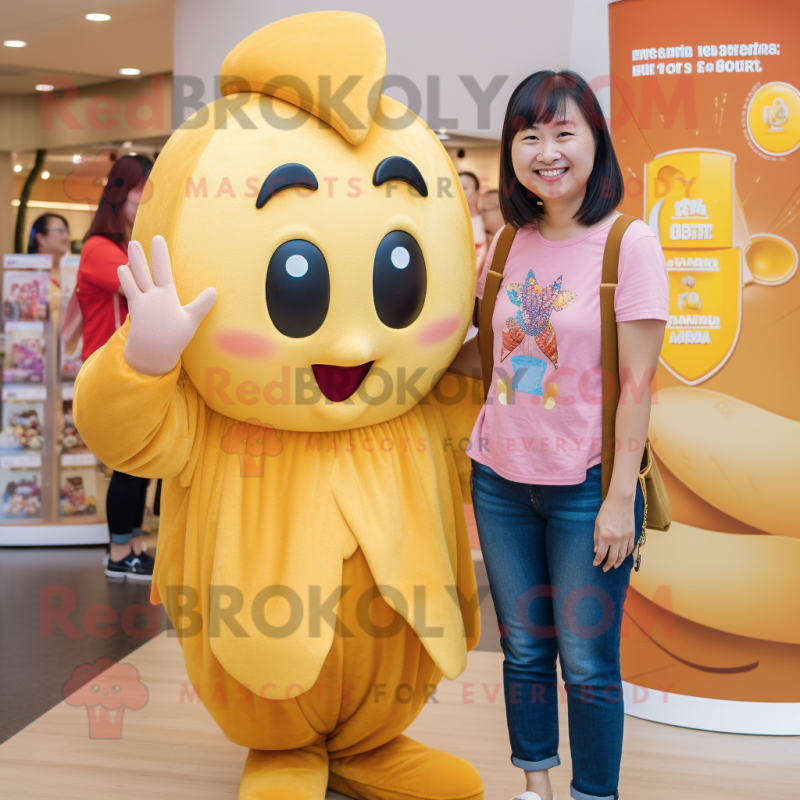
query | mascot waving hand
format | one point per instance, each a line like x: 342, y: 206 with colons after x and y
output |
x: 301, y: 277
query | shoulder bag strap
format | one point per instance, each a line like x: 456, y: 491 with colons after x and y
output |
x: 608, y: 340
x: 490, y: 289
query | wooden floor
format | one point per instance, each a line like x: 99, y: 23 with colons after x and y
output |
x: 172, y: 749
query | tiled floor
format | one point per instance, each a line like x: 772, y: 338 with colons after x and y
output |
x: 170, y: 748
x: 51, y: 602
x: 54, y: 603
x: 58, y: 612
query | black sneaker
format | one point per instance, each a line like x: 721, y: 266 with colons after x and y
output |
x: 146, y: 558
x: 132, y: 566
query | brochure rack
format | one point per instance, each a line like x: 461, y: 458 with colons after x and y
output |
x: 52, y: 488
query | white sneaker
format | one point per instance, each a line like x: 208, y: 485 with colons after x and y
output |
x: 530, y: 796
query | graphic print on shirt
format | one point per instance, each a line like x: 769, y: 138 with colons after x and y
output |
x: 536, y: 304
x: 528, y: 374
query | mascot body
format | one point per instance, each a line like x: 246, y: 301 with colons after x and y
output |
x: 313, y: 553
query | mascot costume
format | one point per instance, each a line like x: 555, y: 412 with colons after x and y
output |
x: 301, y: 276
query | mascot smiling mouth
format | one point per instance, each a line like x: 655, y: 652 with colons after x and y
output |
x: 339, y: 383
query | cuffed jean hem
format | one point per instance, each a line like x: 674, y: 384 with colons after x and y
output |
x: 574, y: 793
x: 124, y: 538
x: 535, y: 766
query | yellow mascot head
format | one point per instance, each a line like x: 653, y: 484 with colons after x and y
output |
x: 330, y: 220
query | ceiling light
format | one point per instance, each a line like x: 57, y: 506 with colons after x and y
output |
x: 17, y: 167
x: 131, y: 154
x: 15, y: 43
x: 45, y: 175
x: 44, y: 87
x: 442, y: 136
x: 130, y: 71
x: 98, y: 17
x: 127, y: 144
x: 76, y: 159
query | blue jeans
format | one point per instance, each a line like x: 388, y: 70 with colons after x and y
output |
x: 538, y: 547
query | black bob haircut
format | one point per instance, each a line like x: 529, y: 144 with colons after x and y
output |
x: 473, y: 177
x: 40, y: 226
x: 540, y: 98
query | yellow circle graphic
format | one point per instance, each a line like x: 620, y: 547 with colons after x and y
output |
x: 773, y: 118
x: 771, y: 259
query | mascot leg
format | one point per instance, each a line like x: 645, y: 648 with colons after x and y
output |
x: 300, y: 774
x: 403, y: 769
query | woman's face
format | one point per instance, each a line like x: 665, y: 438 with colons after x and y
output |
x: 554, y: 160
x: 132, y: 203
x: 55, y: 239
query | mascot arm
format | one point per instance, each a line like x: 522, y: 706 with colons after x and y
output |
x: 138, y: 424
x: 457, y: 400
x: 460, y: 400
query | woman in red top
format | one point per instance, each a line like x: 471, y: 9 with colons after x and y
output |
x: 104, y: 309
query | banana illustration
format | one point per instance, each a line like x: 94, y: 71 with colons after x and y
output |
x: 736, y: 456
x: 717, y: 580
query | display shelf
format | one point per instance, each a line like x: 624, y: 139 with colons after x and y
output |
x: 52, y: 488
x: 53, y: 535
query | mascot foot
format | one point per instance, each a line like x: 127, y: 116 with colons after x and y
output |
x: 300, y: 774
x: 405, y: 770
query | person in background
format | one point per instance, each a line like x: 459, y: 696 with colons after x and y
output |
x: 471, y: 186
x: 50, y: 236
x: 491, y: 214
x: 104, y: 309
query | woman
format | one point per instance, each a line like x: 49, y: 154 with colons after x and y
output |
x: 557, y: 556
x: 104, y: 309
x: 492, y: 216
x: 50, y: 236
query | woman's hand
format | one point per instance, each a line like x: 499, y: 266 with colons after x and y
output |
x: 614, y: 531
x: 160, y: 326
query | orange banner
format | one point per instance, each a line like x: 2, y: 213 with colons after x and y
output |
x: 706, y: 125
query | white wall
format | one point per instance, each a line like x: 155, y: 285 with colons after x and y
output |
x: 589, y: 52
x: 423, y: 37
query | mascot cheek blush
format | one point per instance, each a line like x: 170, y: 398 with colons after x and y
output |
x: 312, y: 278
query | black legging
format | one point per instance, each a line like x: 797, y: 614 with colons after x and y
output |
x: 157, y: 500
x: 125, y: 505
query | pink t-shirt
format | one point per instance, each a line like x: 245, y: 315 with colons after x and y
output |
x: 547, y: 331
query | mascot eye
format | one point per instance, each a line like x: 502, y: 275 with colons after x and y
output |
x: 116, y: 688
x: 94, y: 688
x: 298, y: 288
x: 399, y: 279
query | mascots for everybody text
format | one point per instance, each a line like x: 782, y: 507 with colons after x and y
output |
x: 312, y: 278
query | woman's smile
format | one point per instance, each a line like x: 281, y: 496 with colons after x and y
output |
x: 551, y: 174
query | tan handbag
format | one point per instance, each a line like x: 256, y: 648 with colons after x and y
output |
x: 657, y: 509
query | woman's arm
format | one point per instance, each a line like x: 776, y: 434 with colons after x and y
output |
x: 639, y: 343
x: 468, y: 360
x: 100, y: 267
